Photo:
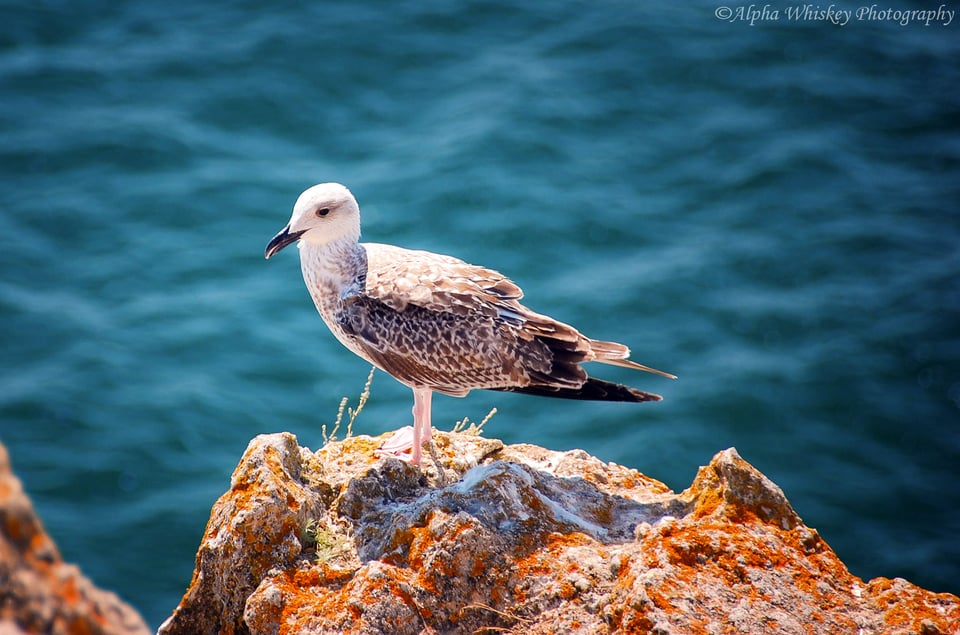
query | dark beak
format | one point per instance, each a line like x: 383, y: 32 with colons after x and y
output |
x: 281, y: 240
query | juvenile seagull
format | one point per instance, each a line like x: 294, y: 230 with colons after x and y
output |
x: 436, y: 323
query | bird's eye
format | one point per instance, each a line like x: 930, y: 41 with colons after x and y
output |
x: 323, y: 211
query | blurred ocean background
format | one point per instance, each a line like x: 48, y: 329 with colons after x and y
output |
x: 770, y: 211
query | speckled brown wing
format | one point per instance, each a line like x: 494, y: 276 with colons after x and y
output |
x: 436, y: 321
x: 398, y: 277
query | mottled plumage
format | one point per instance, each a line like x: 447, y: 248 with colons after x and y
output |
x: 434, y: 322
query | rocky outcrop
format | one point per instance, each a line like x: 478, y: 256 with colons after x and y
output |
x: 521, y: 539
x: 39, y: 592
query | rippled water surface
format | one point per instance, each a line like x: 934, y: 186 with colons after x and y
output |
x: 769, y: 211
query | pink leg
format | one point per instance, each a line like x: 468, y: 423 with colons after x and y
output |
x: 422, y: 429
x: 407, y: 438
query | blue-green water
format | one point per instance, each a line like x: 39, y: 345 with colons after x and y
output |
x: 769, y: 211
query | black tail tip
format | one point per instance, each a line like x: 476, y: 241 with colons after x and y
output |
x: 591, y: 390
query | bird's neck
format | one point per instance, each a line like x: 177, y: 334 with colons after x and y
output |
x: 331, y: 267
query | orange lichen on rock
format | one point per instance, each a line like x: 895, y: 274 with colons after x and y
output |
x: 908, y: 608
x: 521, y: 539
x: 39, y: 592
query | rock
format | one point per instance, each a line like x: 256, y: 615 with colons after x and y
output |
x: 39, y: 592
x: 524, y: 540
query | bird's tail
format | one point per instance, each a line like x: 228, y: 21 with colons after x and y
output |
x: 616, y: 354
x: 592, y: 390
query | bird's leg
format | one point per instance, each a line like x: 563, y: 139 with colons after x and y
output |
x: 422, y: 430
x: 407, y: 438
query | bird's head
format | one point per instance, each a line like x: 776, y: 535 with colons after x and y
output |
x: 323, y: 214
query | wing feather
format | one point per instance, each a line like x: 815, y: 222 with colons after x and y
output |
x: 436, y: 321
x: 399, y: 277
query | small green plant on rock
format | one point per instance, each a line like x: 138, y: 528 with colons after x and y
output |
x: 326, y: 543
x: 351, y: 413
x: 465, y: 426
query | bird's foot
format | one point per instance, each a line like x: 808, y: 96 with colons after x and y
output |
x: 400, y: 444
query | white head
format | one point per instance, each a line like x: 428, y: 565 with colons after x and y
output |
x: 323, y: 214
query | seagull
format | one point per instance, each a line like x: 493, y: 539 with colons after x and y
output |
x: 436, y: 323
